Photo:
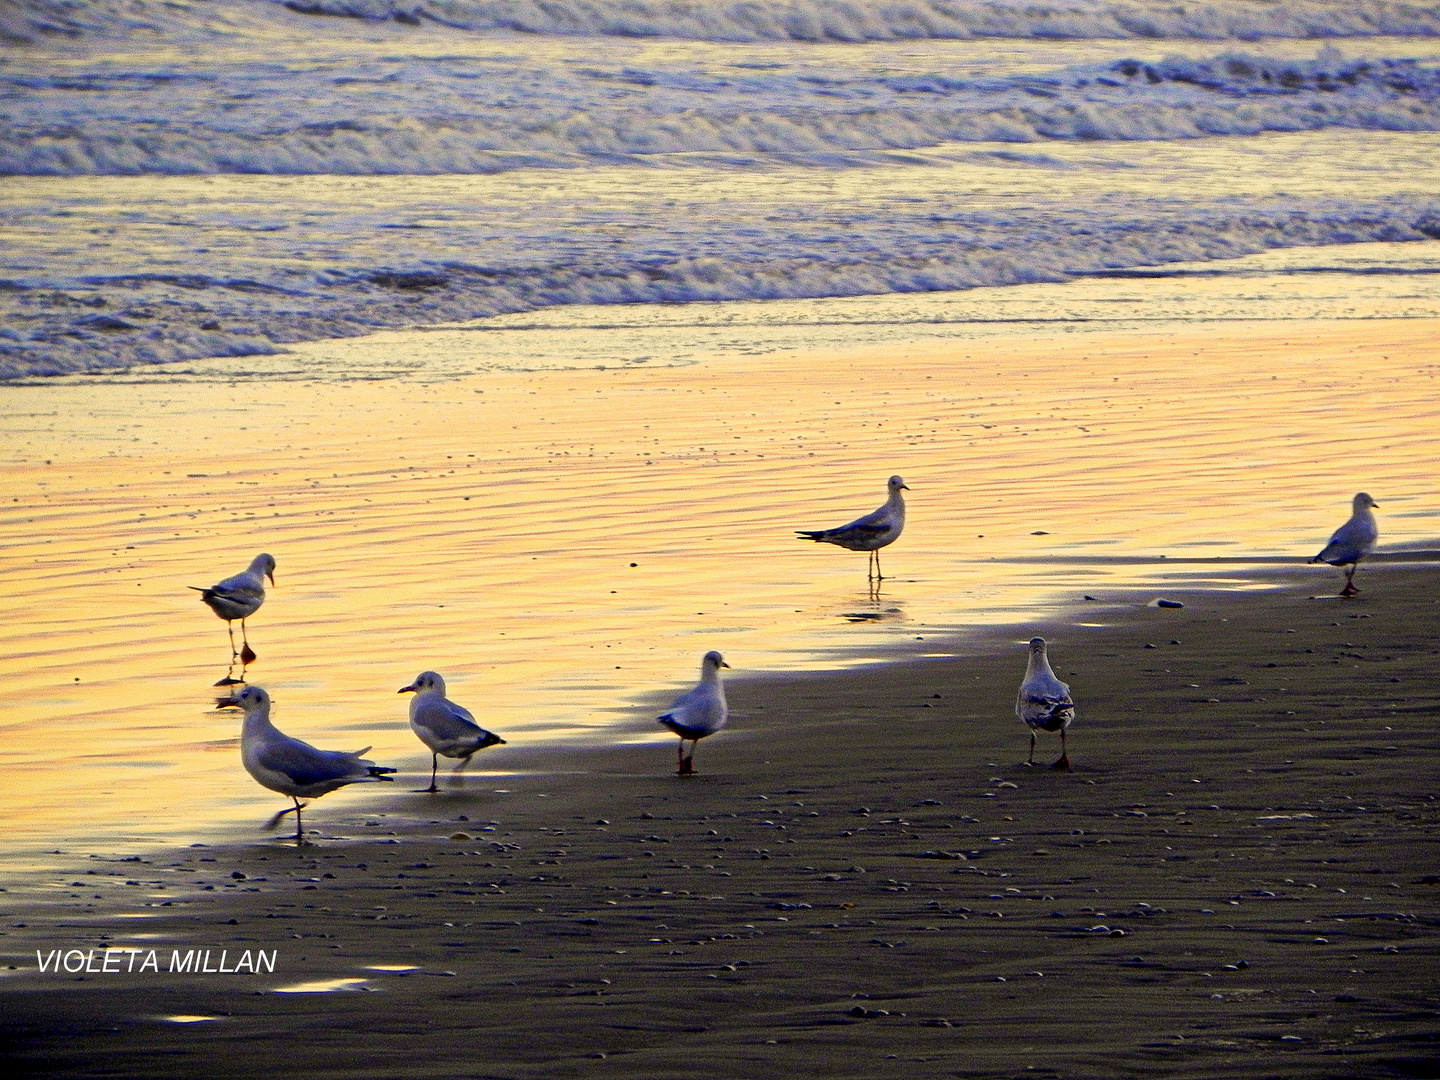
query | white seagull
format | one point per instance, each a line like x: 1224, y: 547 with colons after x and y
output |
x: 871, y: 532
x: 698, y: 712
x: 1044, y: 703
x: 290, y: 766
x: 443, y: 726
x: 239, y: 597
x: 1352, y: 541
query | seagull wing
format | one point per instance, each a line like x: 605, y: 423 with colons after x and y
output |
x: 1050, y: 709
x: 443, y: 718
x: 306, y: 765
x: 700, y: 709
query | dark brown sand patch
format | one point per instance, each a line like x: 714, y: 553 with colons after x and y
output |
x: 1238, y: 878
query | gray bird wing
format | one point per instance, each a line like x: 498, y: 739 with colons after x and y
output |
x: 872, y: 524
x: 446, y: 719
x: 305, y: 765
x: 698, y: 709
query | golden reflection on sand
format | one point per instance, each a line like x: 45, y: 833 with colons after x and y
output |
x: 564, y: 546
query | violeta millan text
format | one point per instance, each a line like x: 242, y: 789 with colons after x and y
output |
x: 191, y: 961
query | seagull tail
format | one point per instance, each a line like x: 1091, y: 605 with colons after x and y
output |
x: 378, y: 772
x: 811, y: 534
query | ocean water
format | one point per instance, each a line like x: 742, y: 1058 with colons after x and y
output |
x: 229, y: 177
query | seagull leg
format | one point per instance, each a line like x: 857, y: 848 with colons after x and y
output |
x: 299, y: 839
x: 1350, y: 589
x: 685, y: 766
x: 434, y: 768
x: 1031, y: 759
x: 229, y: 679
x: 230, y: 629
x: 247, y: 654
x: 1064, y: 762
x: 878, y: 576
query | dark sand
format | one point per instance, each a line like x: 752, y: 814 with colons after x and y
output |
x: 1239, y: 878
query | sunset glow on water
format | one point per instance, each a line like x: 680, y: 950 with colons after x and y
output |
x: 564, y: 545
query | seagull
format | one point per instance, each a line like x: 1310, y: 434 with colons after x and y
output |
x: 871, y: 532
x: 443, y: 726
x: 698, y: 712
x: 1352, y: 541
x: 290, y: 766
x: 1044, y: 702
x: 239, y: 597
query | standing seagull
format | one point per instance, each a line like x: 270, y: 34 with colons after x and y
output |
x: 871, y: 532
x: 1044, y: 702
x: 290, y: 766
x: 443, y: 726
x: 698, y: 712
x: 1352, y: 541
x: 239, y: 597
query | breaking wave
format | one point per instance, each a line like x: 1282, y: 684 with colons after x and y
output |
x: 768, y: 20
x: 117, y: 321
x: 458, y: 116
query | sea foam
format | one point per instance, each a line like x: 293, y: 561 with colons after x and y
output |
x: 766, y: 20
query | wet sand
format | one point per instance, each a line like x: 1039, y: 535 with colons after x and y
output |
x: 1239, y: 878
x: 563, y: 546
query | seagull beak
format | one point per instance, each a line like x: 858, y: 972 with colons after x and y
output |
x: 724, y: 664
x: 271, y: 575
x: 407, y: 689
x: 227, y: 703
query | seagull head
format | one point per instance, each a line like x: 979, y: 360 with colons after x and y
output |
x: 1037, y: 644
x: 249, y: 699
x: 1364, y: 502
x: 895, y: 484
x: 714, y: 660
x: 264, y: 564
x: 425, y: 681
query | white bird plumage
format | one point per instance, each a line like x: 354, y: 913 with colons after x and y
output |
x: 443, y: 726
x: 698, y: 712
x: 1044, y: 702
x: 872, y: 532
x: 290, y: 766
x: 239, y: 597
x: 1352, y: 541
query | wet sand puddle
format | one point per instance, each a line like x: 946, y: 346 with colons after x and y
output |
x: 563, y: 546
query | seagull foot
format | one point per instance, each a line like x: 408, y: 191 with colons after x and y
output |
x: 1063, y: 764
x: 687, y: 768
x: 1349, y: 590
x: 247, y: 655
x: 431, y: 790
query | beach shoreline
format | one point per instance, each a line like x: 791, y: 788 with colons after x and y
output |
x: 534, y: 354
x: 564, y: 546
x: 862, y: 881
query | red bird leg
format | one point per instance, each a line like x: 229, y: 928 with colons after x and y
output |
x: 1064, y: 762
